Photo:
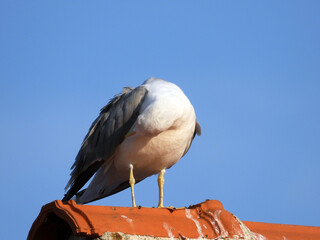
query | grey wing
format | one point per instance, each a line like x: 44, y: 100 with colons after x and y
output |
x: 105, y: 134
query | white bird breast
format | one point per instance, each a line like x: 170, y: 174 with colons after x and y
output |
x: 164, y: 129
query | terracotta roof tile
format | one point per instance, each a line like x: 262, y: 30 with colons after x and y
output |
x: 208, y: 220
x: 284, y: 231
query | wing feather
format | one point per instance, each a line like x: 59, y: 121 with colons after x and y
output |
x: 105, y: 134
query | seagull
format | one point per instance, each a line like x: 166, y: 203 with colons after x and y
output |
x: 141, y: 132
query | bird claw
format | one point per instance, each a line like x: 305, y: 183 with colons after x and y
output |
x: 174, y: 208
x: 170, y: 207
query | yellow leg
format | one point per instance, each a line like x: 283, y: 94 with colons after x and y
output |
x: 132, y: 181
x: 160, y: 184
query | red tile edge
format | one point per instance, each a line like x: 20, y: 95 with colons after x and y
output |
x: 284, y: 231
x: 208, y: 219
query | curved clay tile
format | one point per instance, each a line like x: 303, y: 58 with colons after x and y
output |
x: 205, y: 220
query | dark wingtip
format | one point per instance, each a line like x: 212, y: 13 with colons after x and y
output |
x: 66, y: 197
x: 198, y: 129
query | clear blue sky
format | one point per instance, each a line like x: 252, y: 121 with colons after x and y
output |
x: 250, y: 68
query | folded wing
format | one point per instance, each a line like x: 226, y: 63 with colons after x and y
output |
x: 105, y: 134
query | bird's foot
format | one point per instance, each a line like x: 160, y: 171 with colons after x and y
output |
x: 132, y: 181
x: 160, y: 205
x: 175, y: 208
